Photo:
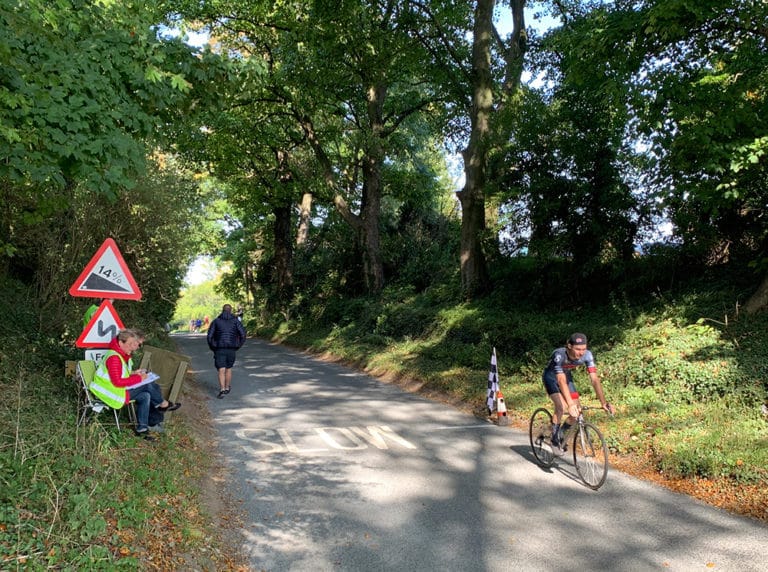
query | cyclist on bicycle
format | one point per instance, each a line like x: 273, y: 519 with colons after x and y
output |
x: 558, y: 381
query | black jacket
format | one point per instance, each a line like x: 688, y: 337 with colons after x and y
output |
x: 226, y: 332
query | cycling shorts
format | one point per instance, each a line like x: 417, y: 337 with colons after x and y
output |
x: 550, y: 384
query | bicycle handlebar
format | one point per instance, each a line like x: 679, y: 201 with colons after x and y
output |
x: 594, y: 407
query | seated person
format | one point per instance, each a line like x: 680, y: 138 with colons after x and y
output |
x: 116, y: 383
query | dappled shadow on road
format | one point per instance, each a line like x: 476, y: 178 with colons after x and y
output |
x: 337, y: 471
x: 562, y: 465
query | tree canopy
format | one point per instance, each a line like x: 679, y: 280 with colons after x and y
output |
x: 309, y: 142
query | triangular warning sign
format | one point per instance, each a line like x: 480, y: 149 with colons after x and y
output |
x: 102, y: 328
x: 106, y: 276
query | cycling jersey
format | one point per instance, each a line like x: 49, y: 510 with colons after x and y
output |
x: 559, y: 362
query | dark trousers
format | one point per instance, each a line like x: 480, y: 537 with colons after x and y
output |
x: 147, y: 398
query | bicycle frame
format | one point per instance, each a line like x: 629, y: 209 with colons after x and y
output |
x: 590, y: 454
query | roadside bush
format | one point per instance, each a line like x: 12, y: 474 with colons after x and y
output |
x: 688, y: 363
x: 422, y: 251
x: 403, y: 320
x: 713, y: 446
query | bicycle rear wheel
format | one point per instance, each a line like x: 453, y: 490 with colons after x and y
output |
x: 590, y: 455
x: 540, y: 433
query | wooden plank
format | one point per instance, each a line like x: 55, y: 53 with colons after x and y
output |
x: 178, y: 382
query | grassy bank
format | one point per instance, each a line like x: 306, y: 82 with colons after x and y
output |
x: 90, y: 497
x: 687, y: 374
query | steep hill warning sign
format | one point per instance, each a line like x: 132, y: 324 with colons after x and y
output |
x: 106, y: 276
x: 104, y: 325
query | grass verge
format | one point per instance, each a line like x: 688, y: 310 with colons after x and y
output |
x: 90, y: 497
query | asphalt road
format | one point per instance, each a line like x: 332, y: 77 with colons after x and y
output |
x: 340, y: 472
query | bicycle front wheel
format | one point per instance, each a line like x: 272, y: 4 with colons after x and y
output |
x: 590, y: 456
x: 540, y: 432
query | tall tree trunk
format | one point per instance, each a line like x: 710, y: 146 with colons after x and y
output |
x: 283, y: 252
x: 305, y: 213
x: 759, y: 300
x: 474, y: 269
x: 281, y: 228
x: 371, y: 203
x: 250, y: 284
x: 483, y: 136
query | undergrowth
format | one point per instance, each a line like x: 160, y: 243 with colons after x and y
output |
x: 88, y: 497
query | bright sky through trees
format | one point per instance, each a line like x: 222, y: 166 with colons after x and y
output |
x: 201, y: 270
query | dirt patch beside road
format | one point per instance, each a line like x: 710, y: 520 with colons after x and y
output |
x: 222, y: 551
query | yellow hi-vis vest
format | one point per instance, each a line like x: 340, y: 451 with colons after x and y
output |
x: 102, y: 386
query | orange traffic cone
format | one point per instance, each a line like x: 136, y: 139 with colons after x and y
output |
x: 501, y: 410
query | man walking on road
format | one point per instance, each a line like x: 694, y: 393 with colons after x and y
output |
x: 226, y: 335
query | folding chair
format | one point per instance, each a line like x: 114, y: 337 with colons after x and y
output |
x: 88, y: 403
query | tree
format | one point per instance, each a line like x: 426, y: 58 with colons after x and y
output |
x: 697, y: 73
x: 83, y: 87
x: 573, y: 165
x: 351, y: 76
x: 86, y: 90
x: 474, y: 273
x: 247, y: 135
x: 482, y: 82
x: 378, y: 79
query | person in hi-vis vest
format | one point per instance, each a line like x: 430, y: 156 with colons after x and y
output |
x: 116, y: 383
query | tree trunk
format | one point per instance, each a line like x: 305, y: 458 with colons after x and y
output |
x: 282, y: 231
x: 305, y: 212
x: 283, y: 252
x: 371, y: 205
x: 474, y: 270
x: 759, y: 300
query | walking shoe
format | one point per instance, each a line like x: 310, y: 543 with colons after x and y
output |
x: 221, y: 394
x: 170, y: 407
x: 226, y: 391
x: 144, y: 434
x: 157, y: 428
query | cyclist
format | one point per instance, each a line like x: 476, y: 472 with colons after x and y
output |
x: 558, y: 381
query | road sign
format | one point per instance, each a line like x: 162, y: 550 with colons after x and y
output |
x: 96, y: 355
x: 106, y: 276
x: 103, y: 327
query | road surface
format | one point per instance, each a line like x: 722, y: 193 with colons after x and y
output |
x: 338, y: 471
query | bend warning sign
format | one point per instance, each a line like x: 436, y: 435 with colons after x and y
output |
x: 103, y: 327
x: 106, y: 276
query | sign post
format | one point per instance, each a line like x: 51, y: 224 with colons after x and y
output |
x: 105, y: 276
x: 102, y: 327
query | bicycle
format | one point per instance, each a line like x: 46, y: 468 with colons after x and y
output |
x: 590, y: 453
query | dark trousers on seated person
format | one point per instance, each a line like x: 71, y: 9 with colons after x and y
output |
x: 147, y: 398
